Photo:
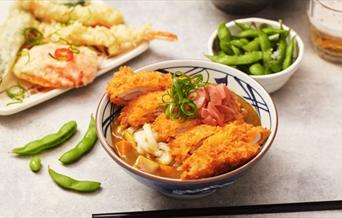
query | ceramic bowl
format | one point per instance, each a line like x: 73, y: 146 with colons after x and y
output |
x: 271, y: 82
x: 237, y: 81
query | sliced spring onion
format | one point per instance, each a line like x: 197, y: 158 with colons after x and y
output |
x: 32, y: 37
x: 16, y: 92
x: 182, y: 87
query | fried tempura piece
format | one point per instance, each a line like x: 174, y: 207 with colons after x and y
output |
x: 88, y: 15
x: 115, y: 40
x: 38, y: 67
x: 187, y: 142
x: 143, y: 109
x: 232, y: 146
x: 126, y: 85
x: 11, y: 40
x: 168, y: 129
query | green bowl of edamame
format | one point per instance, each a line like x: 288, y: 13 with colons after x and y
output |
x: 267, y: 50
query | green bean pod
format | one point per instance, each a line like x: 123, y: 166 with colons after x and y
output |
x: 49, y: 141
x: 224, y: 36
x: 235, y: 50
x: 252, y: 46
x: 35, y: 164
x: 83, y: 147
x: 69, y: 183
x: 247, y: 58
x: 256, y: 69
x: 272, y: 31
x: 289, y: 54
x: 239, y: 42
x: 242, y: 26
x: 277, y: 65
x: 248, y: 33
x: 266, y: 47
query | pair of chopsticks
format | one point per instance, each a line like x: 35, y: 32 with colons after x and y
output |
x: 233, y: 210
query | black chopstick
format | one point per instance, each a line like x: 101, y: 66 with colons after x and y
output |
x: 233, y: 210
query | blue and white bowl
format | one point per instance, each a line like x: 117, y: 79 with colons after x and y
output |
x: 237, y: 81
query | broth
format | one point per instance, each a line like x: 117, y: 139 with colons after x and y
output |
x: 172, y: 171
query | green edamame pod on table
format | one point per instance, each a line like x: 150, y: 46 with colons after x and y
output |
x: 35, y: 164
x: 69, y: 183
x: 49, y: 141
x: 256, y: 69
x: 289, y: 53
x: 84, y: 146
x: 224, y: 36
x: 247, y: 58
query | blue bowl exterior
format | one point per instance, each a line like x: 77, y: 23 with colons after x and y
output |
x: 186, y: 190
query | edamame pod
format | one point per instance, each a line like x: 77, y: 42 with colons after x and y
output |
x: 242, y: 26
x: 35, y: 164
x: 83, y: 147
x: 256, y: 69
x: 69, y: 183
x: 247, y: 58
x: 289, y: 54
x: 252, y: 46
x: 49, y: 141
x: 277, y: 65
x: 224, y: 35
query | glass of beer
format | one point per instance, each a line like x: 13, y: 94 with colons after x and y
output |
x: 325, y: 18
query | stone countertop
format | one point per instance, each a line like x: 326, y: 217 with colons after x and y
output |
x: 304, y: 163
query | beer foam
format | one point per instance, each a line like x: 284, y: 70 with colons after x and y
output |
x: 326, y: 16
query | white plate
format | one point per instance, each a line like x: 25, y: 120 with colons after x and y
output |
x: 105, y: 66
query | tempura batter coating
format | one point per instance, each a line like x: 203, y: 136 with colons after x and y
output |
x: 38, y: 67
x: 168, y: 129
x: 88, y: 15
x: 126, y: 85
x: 11, y: 40
x: 232, y: 146
x: 116, y: 39
x: 143, y: 109
x: 187, y: 142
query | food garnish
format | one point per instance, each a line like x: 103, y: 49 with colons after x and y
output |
x: 69, y: 183
x: 181, y: 105
x: 83, y: 147
x: 17, y: 93
x: 49, y: 141
x: 63, y: 54
x: 32, y: 37
x: 254, y: 50
x: 35, y: 164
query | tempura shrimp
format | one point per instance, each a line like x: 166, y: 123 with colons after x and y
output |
x: 56, y: 66
x: 115, y: 40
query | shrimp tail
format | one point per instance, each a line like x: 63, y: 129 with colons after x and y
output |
x: 162, y: 35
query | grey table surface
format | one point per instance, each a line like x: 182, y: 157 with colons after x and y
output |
x: 304, y: 163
